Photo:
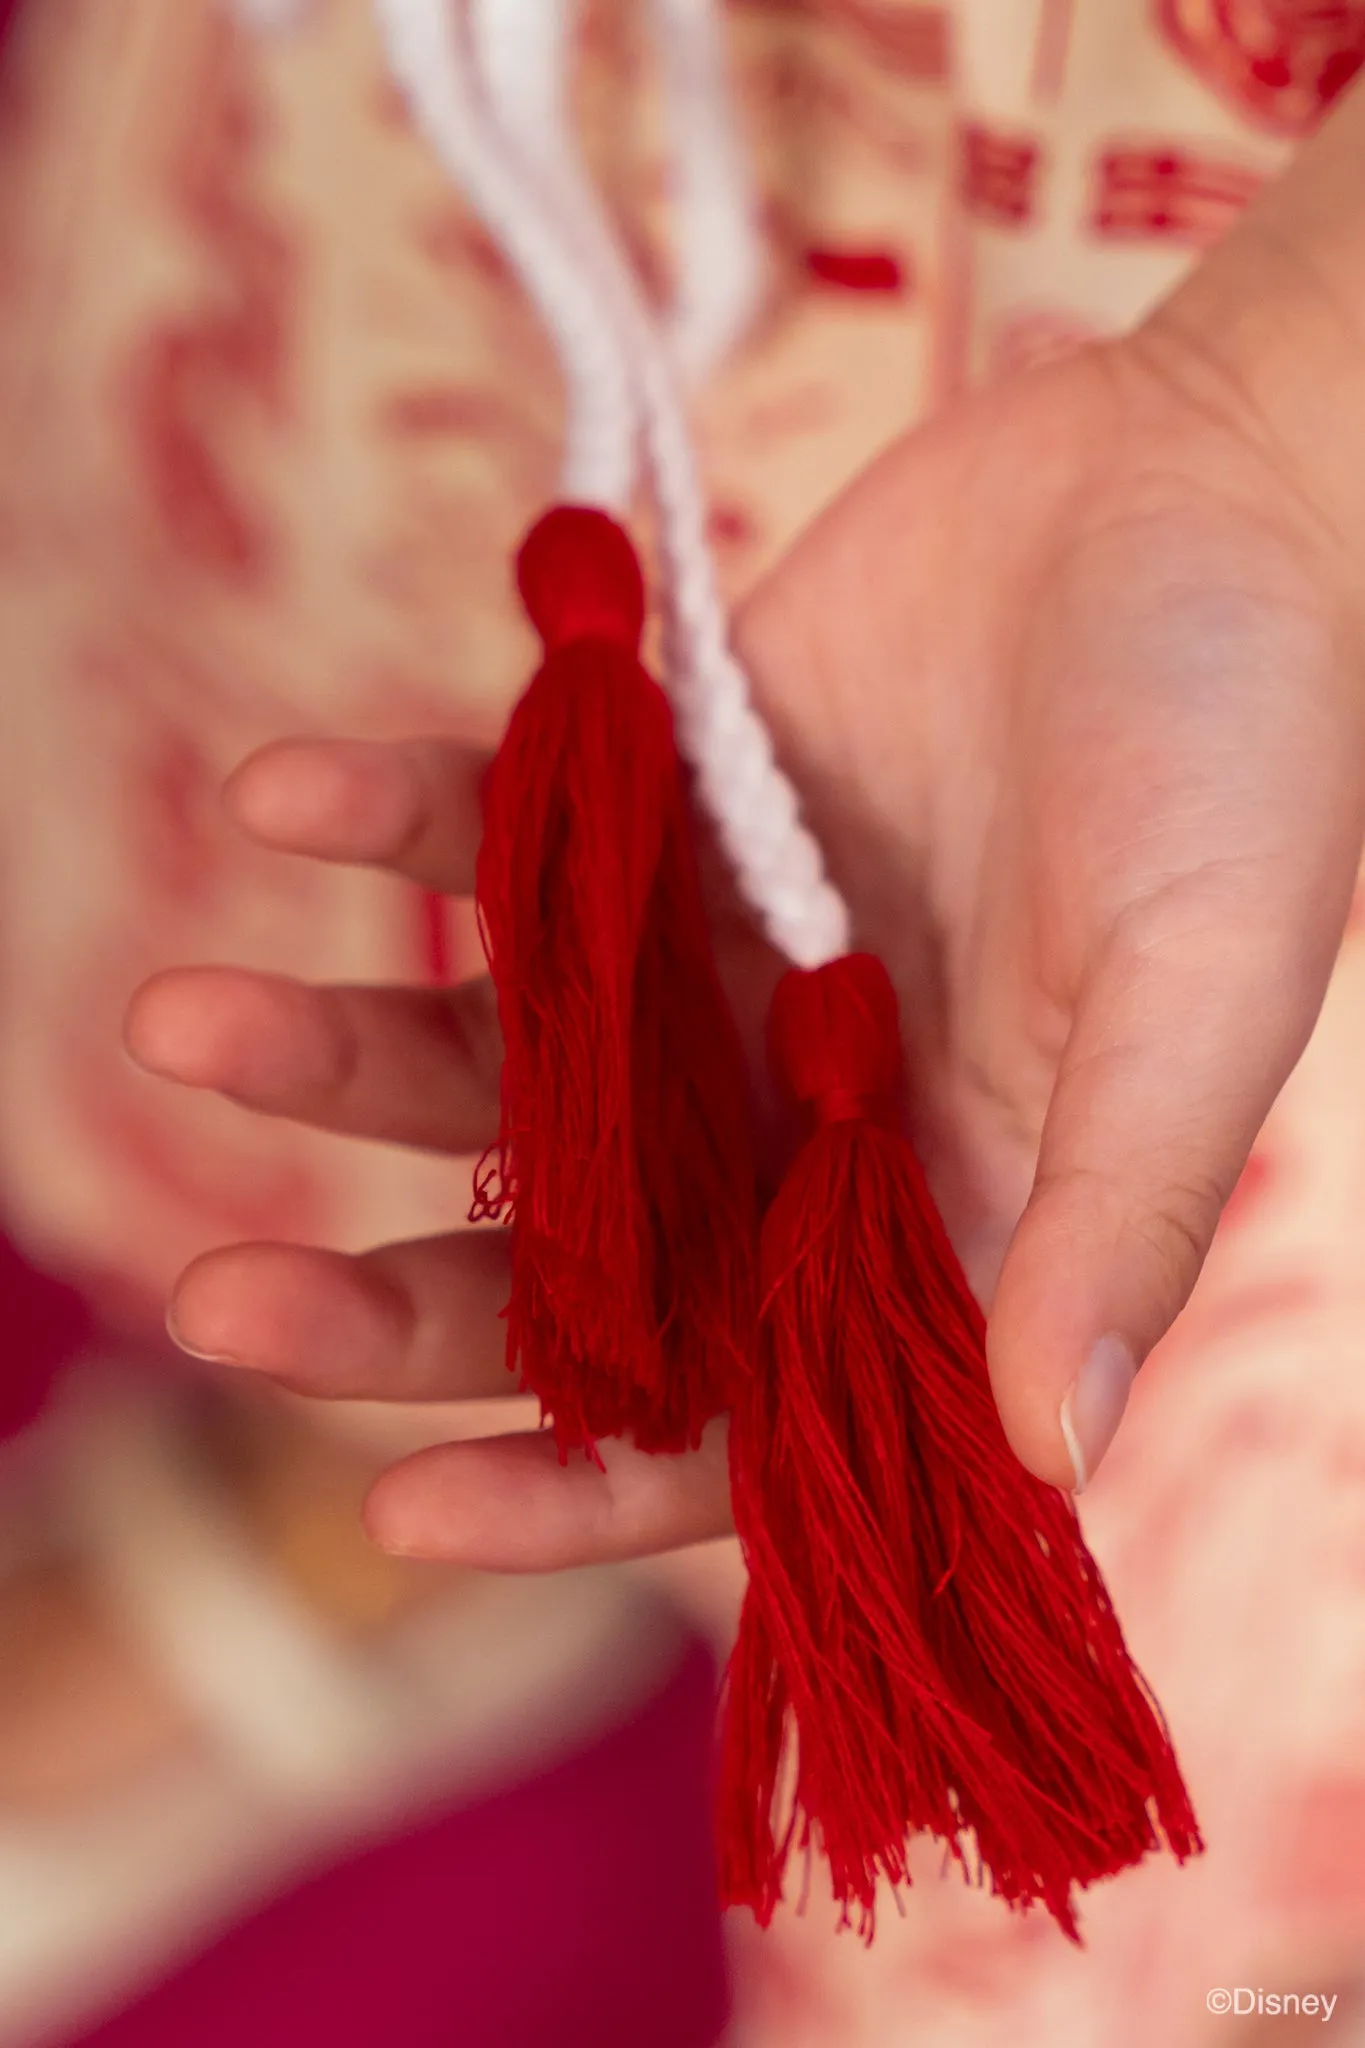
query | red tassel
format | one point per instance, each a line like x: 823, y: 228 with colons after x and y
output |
x: 922, y: 1612
x: 624, y: 1145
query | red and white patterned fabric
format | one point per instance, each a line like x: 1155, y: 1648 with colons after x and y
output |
x: 274, y: 414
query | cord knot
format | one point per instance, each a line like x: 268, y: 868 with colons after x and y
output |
x: 580, y: 579
x: 850, y: 1106
x: 834, y: 1040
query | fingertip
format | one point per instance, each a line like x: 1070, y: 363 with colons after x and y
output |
x: 314, y: 1319
x: 396, y: 1513
x: 140, y: 1030
x: 256, y: 1037
x: 1041, y: 1434
x: 203, y: 1315
x: 1036, y: 1342
x: 1075, y: 1313
x: 170, y: 1029
x: 258, y: 793
x: 387, y: 1525
x: 334, y: 798
x: 1093, y: 1405
x: 438, y: 1505
x: 510, y: 1504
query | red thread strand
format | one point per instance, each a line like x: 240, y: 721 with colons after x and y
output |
x: 624, y: 1151
x: 926, y: 1643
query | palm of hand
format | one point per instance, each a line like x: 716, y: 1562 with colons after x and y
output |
x: 1072, y: 689
x: 1068, y: 683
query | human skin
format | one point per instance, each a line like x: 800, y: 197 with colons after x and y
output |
x: 1071, y: 684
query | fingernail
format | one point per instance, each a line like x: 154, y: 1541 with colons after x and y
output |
x: 183, y: 1344
x: 1093, y: 1407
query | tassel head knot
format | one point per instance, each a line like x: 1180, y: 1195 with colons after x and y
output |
x: 580, y: 579
x: 834, y: 1040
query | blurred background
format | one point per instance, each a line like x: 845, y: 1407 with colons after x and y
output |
x: 273, y: 415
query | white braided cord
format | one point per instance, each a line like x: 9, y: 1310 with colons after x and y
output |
x: 429, y: 52
x: 717, y: 247
x: 486, y: 82
x: 777, y: 862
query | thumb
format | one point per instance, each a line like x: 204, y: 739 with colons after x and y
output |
x: 1190, y: 1022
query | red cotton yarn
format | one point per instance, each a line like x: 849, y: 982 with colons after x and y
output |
x: 624, y: 1149
x: 926, y: 1642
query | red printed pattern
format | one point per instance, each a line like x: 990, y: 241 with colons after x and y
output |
x: 1167, y: 192
x: 999, y: 175
x: 1282, y: 62
x: 857, y: 270
x: 912, y: 41
x: 189, y: 372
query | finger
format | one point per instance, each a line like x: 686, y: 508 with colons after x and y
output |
x: 1192, y: 1022
x: 506, y: 1504
x: 405, y: 1322
x: 411, y: 806
x: 410, y: 1066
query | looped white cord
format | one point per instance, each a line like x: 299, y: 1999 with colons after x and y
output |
x: 524, y: 57
x: 777, y: 863
x: 614, y: 363
x: 718, y: 250
x: 430, y: 57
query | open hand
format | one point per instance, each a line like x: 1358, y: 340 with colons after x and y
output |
x: 1071, y: 683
